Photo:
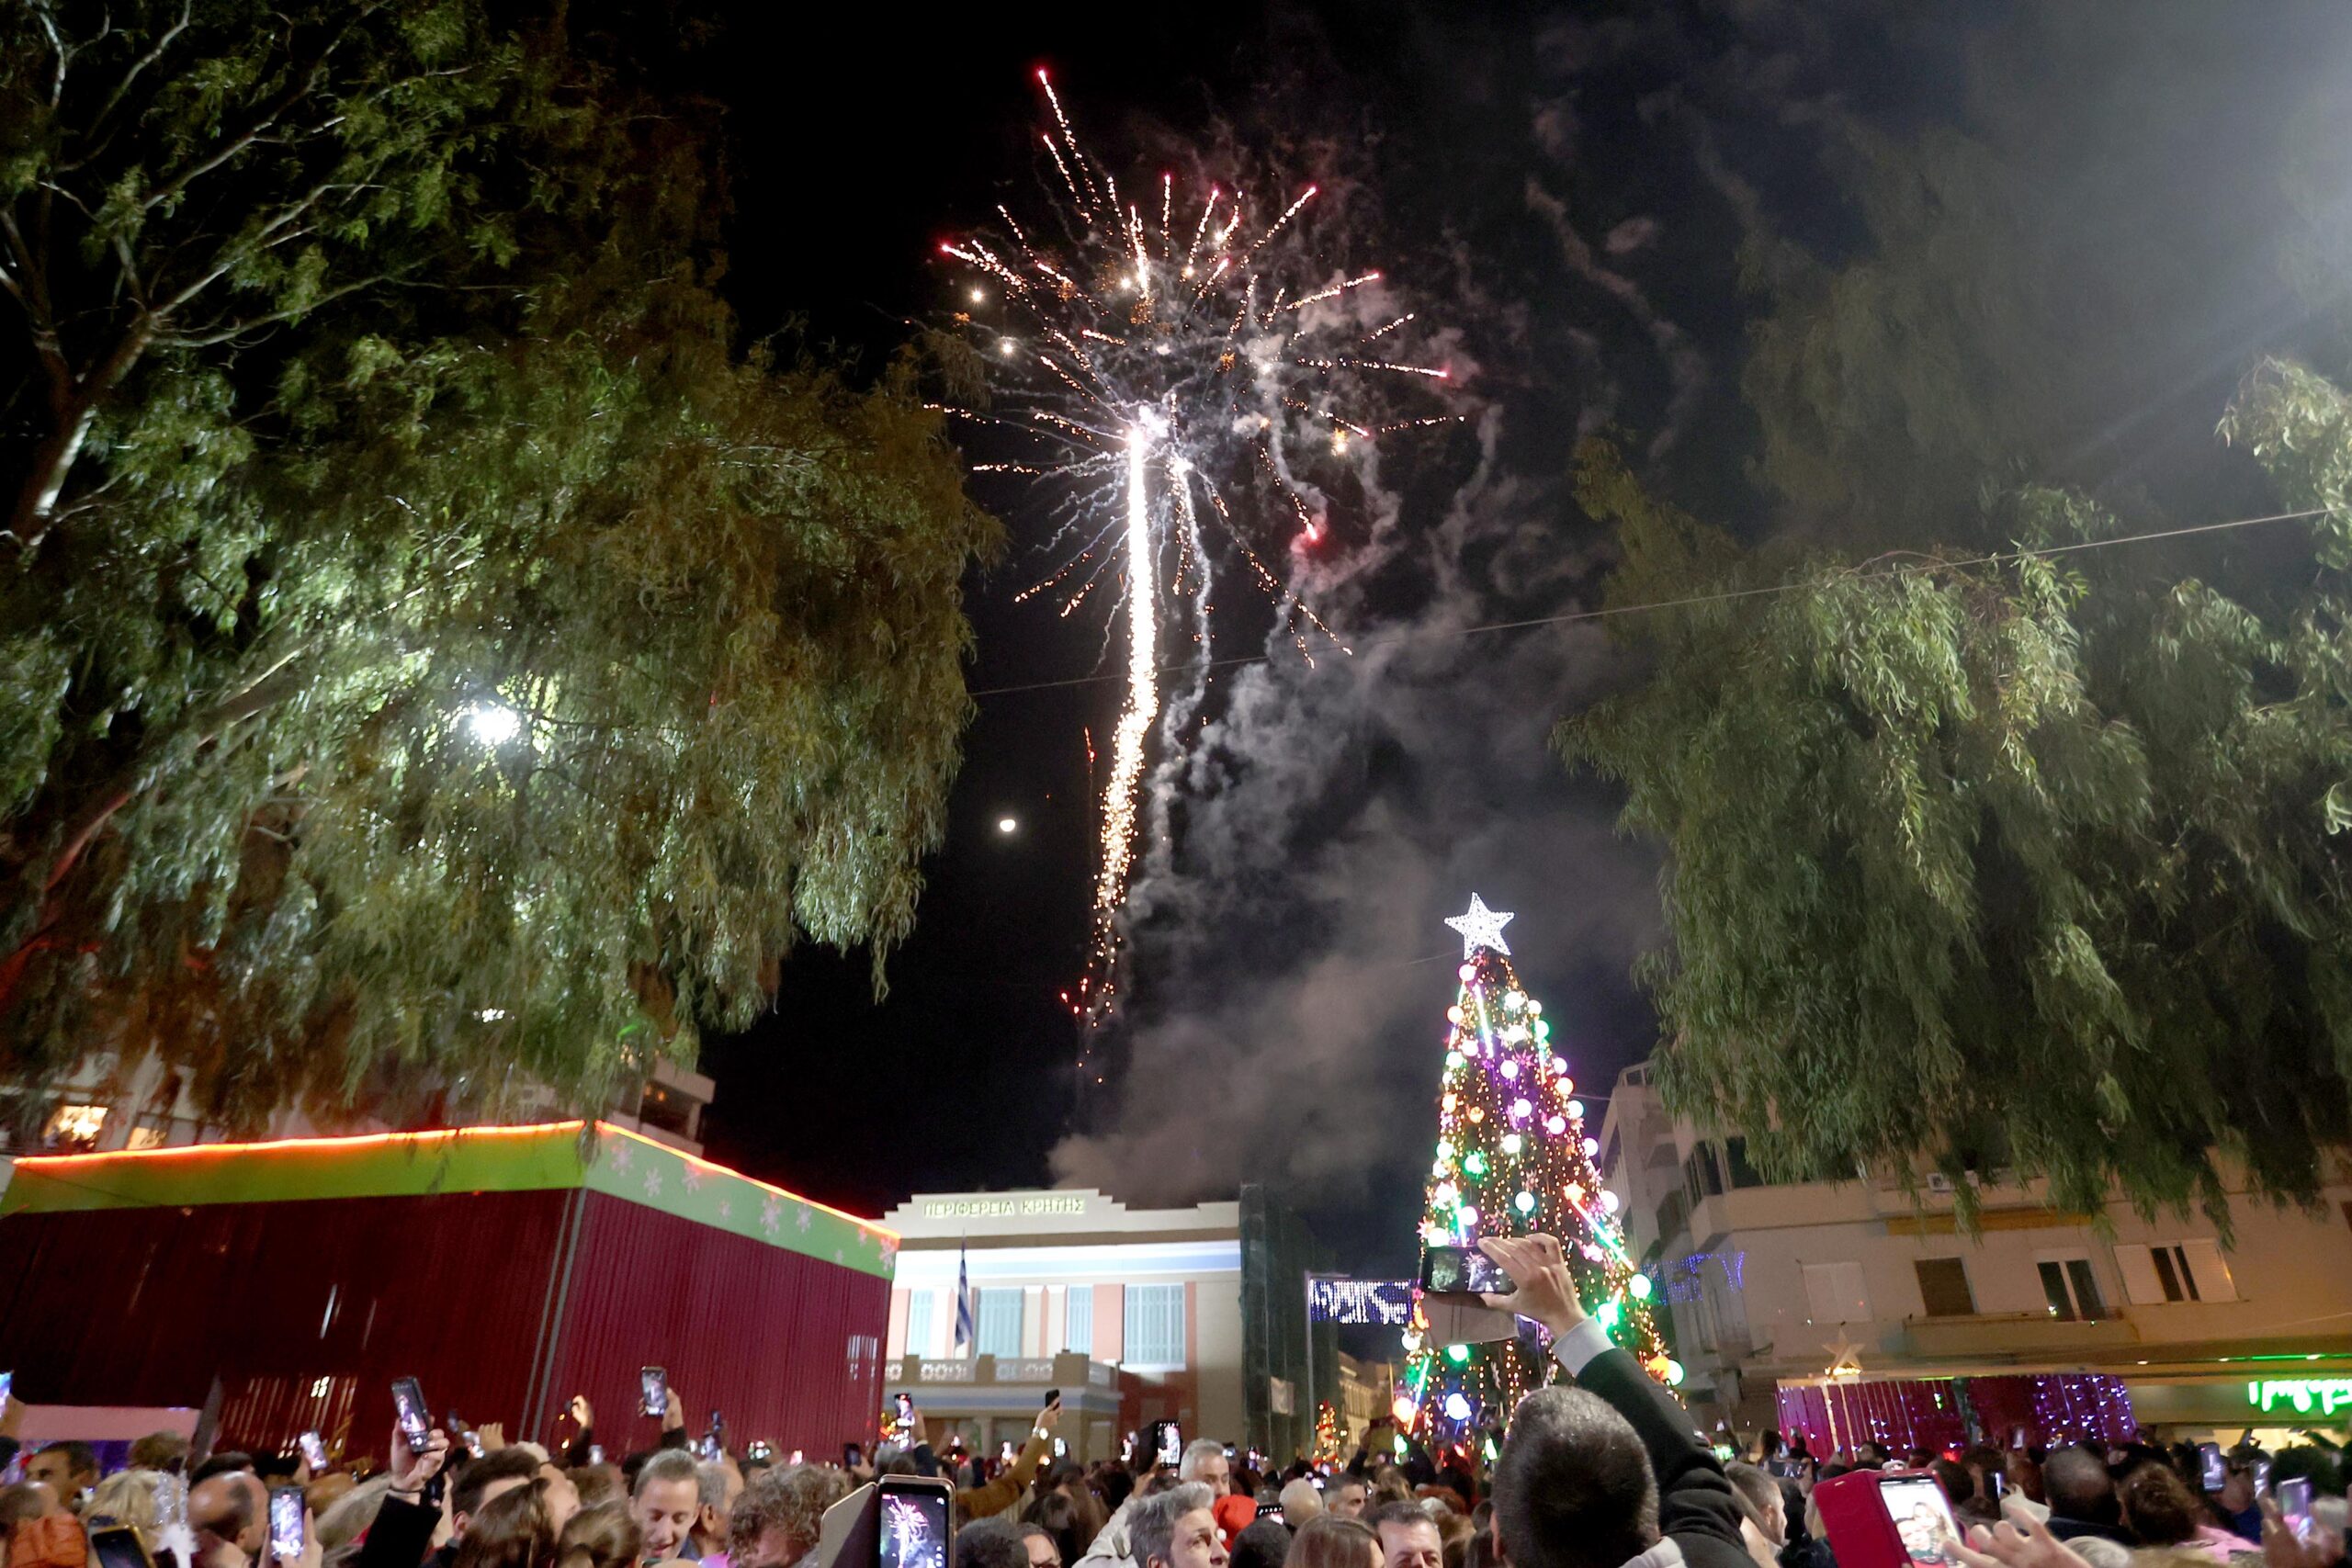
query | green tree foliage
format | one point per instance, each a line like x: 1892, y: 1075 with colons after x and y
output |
x: 2036, y: 860
x: 369, y: 397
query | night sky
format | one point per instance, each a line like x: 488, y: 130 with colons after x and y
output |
x: 1567, y: 189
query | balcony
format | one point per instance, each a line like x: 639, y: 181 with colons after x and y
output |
x: 2027, y: 1339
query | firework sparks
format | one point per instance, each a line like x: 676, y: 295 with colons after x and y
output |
x: 1135, y: 367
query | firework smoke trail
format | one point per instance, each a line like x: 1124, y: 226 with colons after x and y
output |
x: 1133, y: 367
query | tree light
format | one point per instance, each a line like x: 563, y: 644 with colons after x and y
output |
x: 1006, y: 824
x: 1457, y: 1408
x: 494, y: 724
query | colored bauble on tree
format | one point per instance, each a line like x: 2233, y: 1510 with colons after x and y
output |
x: 1513, y: 1158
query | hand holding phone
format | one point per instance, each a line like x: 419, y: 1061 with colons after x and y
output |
x: 409, y: 1410
x: 314, y: 1452
x: 1461, y: 1271
x: 653, y: 1388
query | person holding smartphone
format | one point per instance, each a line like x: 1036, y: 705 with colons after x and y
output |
x: 402, y: 1532
x: 993, y: 1497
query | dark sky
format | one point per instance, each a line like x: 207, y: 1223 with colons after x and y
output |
x: 1567, y: 189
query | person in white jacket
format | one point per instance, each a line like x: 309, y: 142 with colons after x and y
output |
x: 1204, y: 1461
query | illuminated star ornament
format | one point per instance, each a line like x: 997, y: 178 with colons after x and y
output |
x: 1481, y: 927
x: 1195, y: 378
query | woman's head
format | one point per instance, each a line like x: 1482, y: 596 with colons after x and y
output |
x: 513, y: 1529
x: 2157, y: 1505
x: 132, y: 1497
x: 1331, y: 1543
x: 603, y: 1536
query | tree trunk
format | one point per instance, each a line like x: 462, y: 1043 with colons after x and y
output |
x: 53, y: 460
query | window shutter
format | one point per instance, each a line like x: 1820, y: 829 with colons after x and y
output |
x: 919, y: 1323
x: 2209, y: 1269
x: 1078, y: 1320
x: 2139, y: 1270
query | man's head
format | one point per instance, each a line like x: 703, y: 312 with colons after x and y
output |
x: 990, y: 1543
x: 492, y: 1475
x: 777, y: 1519
x: 1345, y: 1500
x: 69, y: 1468
x: 718, y: 1483
x: 1410, y: 1538
x: 1205, y: 1461
x: 1175, y: 1529
x: 1044, y: 1551
x: 222, y: 1511
x: 2079, y: 1486
x: 166, y: 1451
x: 225, y: 1464
x: 666, y: 1499
x: 1301, y: 1502
x: 1573, y: 1488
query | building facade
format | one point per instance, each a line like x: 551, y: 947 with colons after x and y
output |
x: 1810, y: 1303
x: 1151, y: 1297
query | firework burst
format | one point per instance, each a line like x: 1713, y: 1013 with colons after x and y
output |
x: 1176, y: 364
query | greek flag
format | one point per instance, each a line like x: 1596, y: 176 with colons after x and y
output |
x: 963, y: 1333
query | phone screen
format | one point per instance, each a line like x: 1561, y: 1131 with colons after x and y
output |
x: 852, y: 1456
x: 409, y: 1408
x: 118, y: 1548
x: 2217, y: 1470
x: 1994, y: 1480
x: 906, y: 1406
x: 653, y: 1385
x: 1922, y: 1518
x: 913, y: 1529
x: 2295, y: 1504
x: 286, y: 1528
x: 314, y: 1451
x: 1167, y: 1443
x: 1461, y: 1270
x: 7, y: 1384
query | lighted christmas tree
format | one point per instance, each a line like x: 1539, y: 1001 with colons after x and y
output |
x: 1327, y: 1435
x: 1512, y: 1158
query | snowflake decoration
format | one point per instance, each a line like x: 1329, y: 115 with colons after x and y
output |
x: 653, y: 1184
x: 694, y: 1175
x: 771, y: 1215
x: 727, y: 1208
x: 623, y: 1155
x: 806, y: 1219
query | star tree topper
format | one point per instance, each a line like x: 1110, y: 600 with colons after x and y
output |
x: 1481, y: 927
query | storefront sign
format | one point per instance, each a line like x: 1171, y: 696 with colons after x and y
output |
x: 1005, y: 1208
x: 2326, y: 1395
x: 1387, y: 1303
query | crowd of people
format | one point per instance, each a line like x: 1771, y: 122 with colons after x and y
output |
x: 1602, y: 1471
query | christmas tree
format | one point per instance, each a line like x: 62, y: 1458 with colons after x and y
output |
x: 1327, y: 1435
x: 1513, y: 1158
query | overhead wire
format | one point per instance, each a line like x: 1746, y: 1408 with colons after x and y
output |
x: 1688, y: 602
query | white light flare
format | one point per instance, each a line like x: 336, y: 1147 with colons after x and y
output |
x: 1119, y: 795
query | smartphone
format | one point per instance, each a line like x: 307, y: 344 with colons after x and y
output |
x: 653, y: 1386
x: 118, y: 1547
x: 288, y: 1537
x: 906, y: 1407
x: 2295, y: 1505
x: 1995, y: 1481
x: 7, y: 1387
x: 596, y: 1453
x: 1004, y: 1452
x: 1922, y: 1518
x: 1167, y: 1443
x: 852, y: 1455
x: 2216, y: 1468
x: 1053, y: 1397
x: 314, y: 1452
x: 409, y: 1408
x: 913, y: 1525
x: 1461, y: 1271
x: 1061, y: 1450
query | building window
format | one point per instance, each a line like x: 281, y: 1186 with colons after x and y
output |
x: 2071, y: 1289
x: 1702, y: 1178
x: 2189, y: 1271
x: 1834, y: 1293
x: 999, y: 1323
x: 919, y: 1323
x: 1735, y: 1166
x: 1943, y: 1287
x: 1078, y: 1320
x: 1155, y: 1325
